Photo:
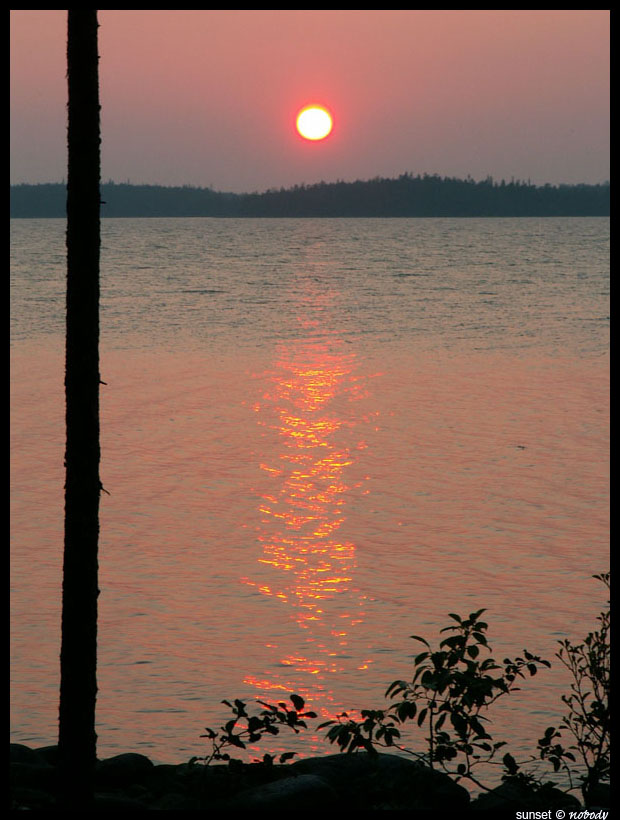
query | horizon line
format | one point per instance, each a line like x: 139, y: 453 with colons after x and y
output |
x: 468, y: 178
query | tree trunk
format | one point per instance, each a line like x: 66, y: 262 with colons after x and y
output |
x: 78, y: 656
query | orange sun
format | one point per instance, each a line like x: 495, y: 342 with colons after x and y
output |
x: 314, y: 122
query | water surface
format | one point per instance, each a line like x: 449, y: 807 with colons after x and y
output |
x: 319, y: 437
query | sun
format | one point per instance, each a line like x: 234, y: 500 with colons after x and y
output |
x: 314, y: 122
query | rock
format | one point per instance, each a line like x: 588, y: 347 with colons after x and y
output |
x: 49, y: 754
x: 24, y: 798
x: 114, y: 801
x: 166, y: 779
x: 122, y: 770
x: 518, y: 796
x: 19, y: 753
x: 176, y: 801
x: 35, y: 777
x: 138, y: 792
x: 32, y: 780
x: 598, y: 796
x: 385, y: 781
x: 307, y: 790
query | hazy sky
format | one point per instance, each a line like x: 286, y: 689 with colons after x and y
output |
x: 210, y: 97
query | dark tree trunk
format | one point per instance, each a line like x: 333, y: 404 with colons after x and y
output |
x: 78, y: 656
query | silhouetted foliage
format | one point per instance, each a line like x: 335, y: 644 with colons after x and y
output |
x: 588, y: 719
x: 405, y: 196
x: 448, y: 696
x: 246, y: 728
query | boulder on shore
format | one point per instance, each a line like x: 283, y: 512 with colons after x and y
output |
x: 515, y: 796
x: 385, y: 781
x: 347, y: 782
x: 355, y: 781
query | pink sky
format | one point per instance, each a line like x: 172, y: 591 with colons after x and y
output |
x: 210, y: 97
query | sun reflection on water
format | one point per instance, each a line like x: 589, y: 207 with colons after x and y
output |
x: 306, y: 561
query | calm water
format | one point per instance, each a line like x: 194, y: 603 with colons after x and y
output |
x: 319, y: 437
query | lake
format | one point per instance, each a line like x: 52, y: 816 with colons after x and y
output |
x: 319, y: 437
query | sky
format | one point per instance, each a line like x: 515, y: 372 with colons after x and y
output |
x: 209, y: 97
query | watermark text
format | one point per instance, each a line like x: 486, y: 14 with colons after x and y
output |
x: 562, y: 814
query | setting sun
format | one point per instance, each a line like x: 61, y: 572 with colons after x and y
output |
x: 314, y: 122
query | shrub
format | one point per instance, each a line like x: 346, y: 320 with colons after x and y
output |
x: 588, y: 719
x: 449, y: 694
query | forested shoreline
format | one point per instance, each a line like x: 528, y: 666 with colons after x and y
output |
x: 404, y: 196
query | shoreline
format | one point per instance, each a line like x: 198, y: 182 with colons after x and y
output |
x: 355, y: 782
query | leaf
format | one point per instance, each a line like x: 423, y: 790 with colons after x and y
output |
x: 418, y: 638
x: 255, y: 723
x: 453, y: 642
x: 421, y: 716
x: 428, y: 679
x: 510, y: 763
x: 456, y: 617
x: 395, y: 687
x: 298, y: 702
x: 406, y: 710
x: 286, y: 756
x: 478, y: 728
x: 333, y: 733
x: 343, y: 739
x: 273, y: 709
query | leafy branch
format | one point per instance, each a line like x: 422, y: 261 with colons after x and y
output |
x: 244, y: 728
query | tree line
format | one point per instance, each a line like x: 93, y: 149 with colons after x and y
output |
x: 423, y: 195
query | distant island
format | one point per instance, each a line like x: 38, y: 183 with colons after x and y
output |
x: 404, y: 196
